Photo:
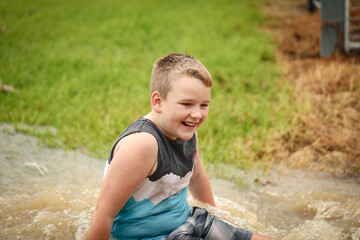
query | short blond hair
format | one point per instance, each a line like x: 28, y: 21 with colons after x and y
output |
x: 173, y: 66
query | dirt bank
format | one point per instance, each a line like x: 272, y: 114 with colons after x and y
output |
x: 325, y: 133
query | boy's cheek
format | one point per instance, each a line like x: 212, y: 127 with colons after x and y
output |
x: 205, y: 115
x: 203, y: 119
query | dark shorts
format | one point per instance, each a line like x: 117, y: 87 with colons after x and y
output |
x: 202, y: 225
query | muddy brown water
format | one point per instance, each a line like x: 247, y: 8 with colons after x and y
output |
x: 48, y: 193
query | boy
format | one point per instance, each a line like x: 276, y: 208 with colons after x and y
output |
x: 155, y: 161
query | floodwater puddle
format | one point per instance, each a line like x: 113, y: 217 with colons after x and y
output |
x: 48, y: 193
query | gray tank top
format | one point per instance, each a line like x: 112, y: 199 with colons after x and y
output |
x: 174, y: 156
x: 159, y: 204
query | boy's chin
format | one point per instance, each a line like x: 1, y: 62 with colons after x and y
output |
x: 186, y: 137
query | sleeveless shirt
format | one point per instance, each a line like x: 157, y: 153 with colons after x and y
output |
x: 159, y: 204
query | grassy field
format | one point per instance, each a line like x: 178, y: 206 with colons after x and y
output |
x: 83, y: 67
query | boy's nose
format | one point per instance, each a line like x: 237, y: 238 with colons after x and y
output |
x: 196, y: 114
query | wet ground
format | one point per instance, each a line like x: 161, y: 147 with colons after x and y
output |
x: 50, y: 193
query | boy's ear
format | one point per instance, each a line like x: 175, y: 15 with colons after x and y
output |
x: 156, y: 101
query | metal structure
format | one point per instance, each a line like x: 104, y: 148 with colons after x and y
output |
x: 331, y: 26
x: 352, y: 25
x: 340, y: 26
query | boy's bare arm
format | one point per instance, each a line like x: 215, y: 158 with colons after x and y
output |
x: 199, y: 184
x: 133, y: 161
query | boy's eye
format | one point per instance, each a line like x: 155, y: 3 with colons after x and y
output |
x: 186, y: 104
x: 204, y: 105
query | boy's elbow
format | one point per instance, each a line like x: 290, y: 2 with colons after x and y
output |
x: 100, y: 226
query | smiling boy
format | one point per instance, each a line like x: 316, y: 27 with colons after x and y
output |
x: 155, y: 161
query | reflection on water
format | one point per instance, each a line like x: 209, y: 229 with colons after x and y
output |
x: 50, y: 194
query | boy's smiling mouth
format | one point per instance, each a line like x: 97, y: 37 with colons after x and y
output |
x: 189, y: 124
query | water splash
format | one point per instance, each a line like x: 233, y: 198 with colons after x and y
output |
x: 51, y: 193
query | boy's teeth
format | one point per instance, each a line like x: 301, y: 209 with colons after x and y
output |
x: 190, y: 124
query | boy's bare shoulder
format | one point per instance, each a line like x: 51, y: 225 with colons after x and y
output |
x: 139, y: 141
x: 137, y: 151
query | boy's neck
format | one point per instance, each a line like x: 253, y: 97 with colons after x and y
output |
x: 150, y: 117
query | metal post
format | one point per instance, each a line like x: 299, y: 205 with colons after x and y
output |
x: 347, y: 26
x: 332, y: 26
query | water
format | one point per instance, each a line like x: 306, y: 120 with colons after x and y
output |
x: 51, y: 193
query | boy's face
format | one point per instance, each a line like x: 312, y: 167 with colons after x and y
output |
x: 185, y: 108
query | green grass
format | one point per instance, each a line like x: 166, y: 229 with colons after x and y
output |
x: 84, y: 67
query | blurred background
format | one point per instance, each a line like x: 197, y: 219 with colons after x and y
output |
x: 285, y: 98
